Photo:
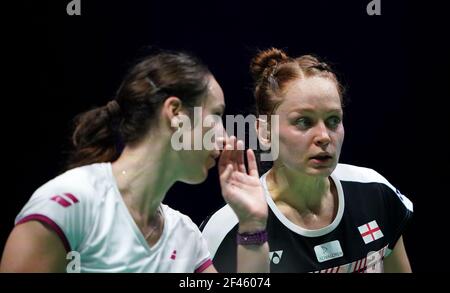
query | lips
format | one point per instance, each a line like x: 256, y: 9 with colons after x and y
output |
x: 212, y: 162
x: 213, y: 157
x: 322, y: 157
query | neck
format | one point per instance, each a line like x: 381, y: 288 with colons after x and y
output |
x: 306, y: 194
x: 144, y: 175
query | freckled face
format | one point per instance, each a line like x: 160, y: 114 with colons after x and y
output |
x: 311, y: 132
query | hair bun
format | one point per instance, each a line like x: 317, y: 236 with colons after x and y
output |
x: 266, y: 59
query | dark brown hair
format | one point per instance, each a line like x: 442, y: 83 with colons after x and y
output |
x: 125, y: 120
x: 273, y: 70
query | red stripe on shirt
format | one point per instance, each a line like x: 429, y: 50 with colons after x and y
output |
x: 50, y: 223
x: 203, y: 266
x: 72, y: 197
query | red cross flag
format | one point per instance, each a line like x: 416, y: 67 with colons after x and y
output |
x: 370, y: 232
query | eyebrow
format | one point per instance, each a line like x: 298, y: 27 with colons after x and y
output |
x: 311, y: 110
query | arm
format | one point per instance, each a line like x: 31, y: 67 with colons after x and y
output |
x: 210, y: 269
x: 244, y: 194
x: 32, y: 247
x: 253, y: 258
x: 397, y: 261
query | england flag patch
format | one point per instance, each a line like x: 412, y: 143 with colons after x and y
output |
x: 370, y: 232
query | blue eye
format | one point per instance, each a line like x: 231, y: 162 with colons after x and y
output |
x: 333, y: 122
x: 303, y: 122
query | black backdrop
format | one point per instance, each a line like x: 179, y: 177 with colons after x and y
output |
x: 395, y: 67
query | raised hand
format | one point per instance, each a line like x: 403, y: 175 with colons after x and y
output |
x: 241, y: 190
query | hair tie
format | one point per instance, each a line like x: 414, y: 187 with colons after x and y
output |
x: 272, y: 68
x: 113, y: 108
x: 153, y: 87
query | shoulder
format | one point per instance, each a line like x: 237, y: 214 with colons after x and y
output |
x: 76, y: 192
x: 69, y: 203
x: 76, y: 185
x: 178, y: 220
x: 346, y: 172
x: 351, y: 173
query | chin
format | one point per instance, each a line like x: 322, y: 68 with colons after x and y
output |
x: 322, y: 172
x: 326, y: 172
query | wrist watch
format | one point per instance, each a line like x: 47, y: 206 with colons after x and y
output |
x: 257, y: 238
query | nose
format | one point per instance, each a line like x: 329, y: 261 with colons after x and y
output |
x: 322, y: 136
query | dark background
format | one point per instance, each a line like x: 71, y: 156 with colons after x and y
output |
x: 395, y: 67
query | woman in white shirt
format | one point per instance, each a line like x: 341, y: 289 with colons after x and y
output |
x: 106, y: 209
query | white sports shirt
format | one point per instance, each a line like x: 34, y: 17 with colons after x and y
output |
x: 84, y: 207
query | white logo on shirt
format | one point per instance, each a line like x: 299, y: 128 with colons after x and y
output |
x: 275, y: 256
x: 329, y: 250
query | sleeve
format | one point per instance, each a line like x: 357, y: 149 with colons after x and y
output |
x: 64, y: 210
x: 399, y: 211
x: 400, y: 215
x: 203, y: 257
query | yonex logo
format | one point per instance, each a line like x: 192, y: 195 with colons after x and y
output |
x: 66, y: 200
x: 174, y: 255
x: 275, y: 256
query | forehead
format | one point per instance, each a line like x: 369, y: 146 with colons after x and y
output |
x: 215, y: 97
x: 314, y: 92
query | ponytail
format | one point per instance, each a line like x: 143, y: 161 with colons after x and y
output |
x: 95, y: 138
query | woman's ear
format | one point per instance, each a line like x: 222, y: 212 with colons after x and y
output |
x: 262, y: 128
x: 171, y: 111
